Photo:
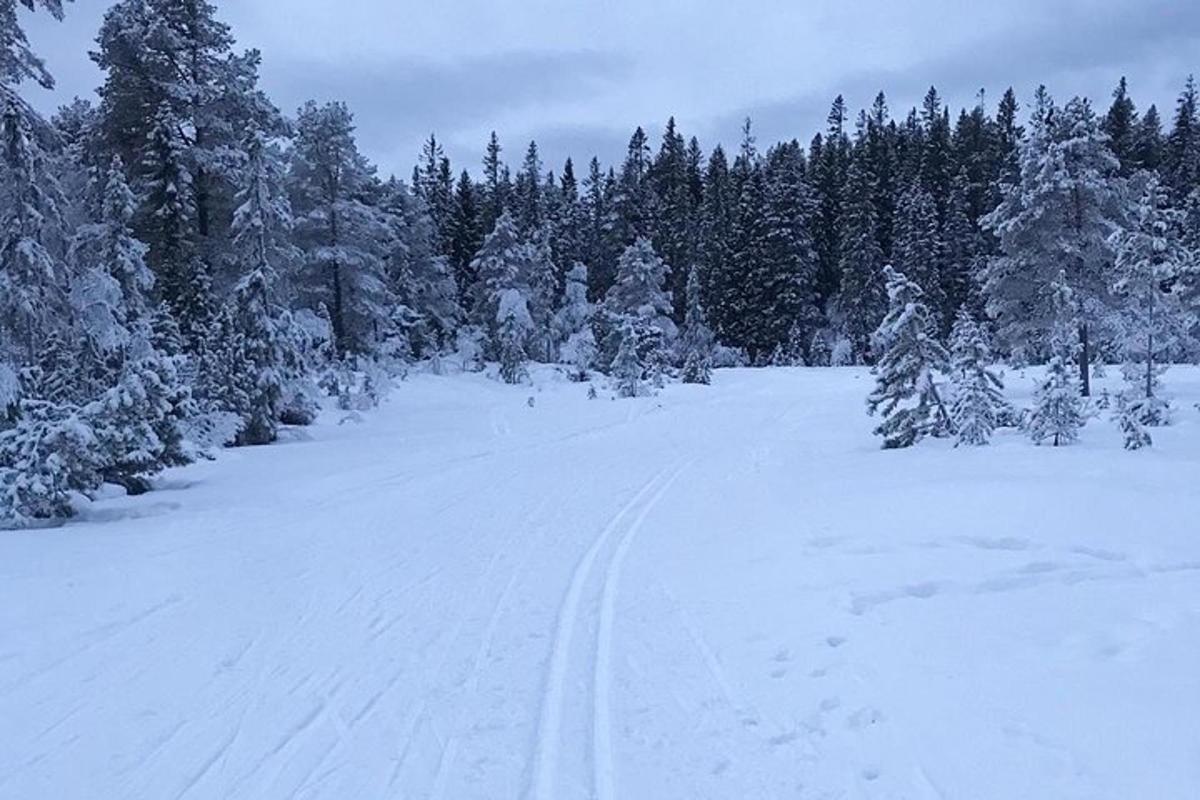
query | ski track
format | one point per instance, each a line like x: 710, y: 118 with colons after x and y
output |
x: 550, y: 726
x: 603, y: 767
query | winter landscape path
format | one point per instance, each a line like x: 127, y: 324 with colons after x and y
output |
x: 723, y: 592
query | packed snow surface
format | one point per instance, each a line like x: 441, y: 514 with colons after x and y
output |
x: 721, y: 592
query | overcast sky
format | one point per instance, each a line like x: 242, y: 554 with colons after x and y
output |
x: 579, y: 75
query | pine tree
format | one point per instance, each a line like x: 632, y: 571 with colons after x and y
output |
x: 1152, y: 267
x: 1120, y: 125
x: 1128, y: 418
x: 33, y: 270
x: 830, y: 158
x: 434, y: 185
x: 1058, y: 412
x: 572, y: 324
x: 183, y: 277
x: 45, y: 459
x: 634, y: 204
x: 1058, y: 218
x: 467, y: 234
x: 861, y: 303
x: 543, y: 294
x: 784, y: 285
x: 627, y: 367
x: 918, y: 249
x: 978, y: 391
x: 1181, y: 156
x: 639, y: 292
x: 716, y: 238
x: 1149, y: 146
x: 342, y: 235
x: 697, y: 340
x: 514, y: 327
x: 497, y: 267
x: 905, y: 392
x: 529, y: 206
x: 17, y: 61
x: 496, y: 186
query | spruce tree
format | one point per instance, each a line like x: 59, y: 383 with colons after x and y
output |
x: 33, y: 268
x: 918, y: 247
x: 1121, y: 125
x: 906, y: 393
x: 497, y: 267
x: 978, y: 392
x: 572, y: 324
x: 1181, y: 156
x: 1152, y: 268
x: 1058, y: 218
x: 514, y: 327
x: 640, y: 290
x: 697, y: 340
x: 627, y: 368
x: 861, y: 302
x: 342, y: 235
x: 1058, y: 413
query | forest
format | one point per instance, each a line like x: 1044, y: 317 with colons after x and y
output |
x: 185, y: 266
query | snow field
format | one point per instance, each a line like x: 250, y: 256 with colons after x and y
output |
x: 718, y: 592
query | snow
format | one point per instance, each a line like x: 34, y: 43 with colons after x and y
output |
x: 719, y: 592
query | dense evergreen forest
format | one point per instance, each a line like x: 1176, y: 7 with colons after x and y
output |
x: 183, y: 265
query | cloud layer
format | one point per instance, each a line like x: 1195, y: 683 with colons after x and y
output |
x: 579, y: 76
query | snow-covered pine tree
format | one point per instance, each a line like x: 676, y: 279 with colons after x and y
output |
x: 639, y: 297
x: 45, y: 459
x: 497, y: 266
x: 1057, y: 219
x: 918, y: 247
x: 978, y: 399
x: 697, y: 340
x: 184, y: 278
x: 1128, y: 417
x: 33, y: 268
x: 906, y: 393
x: 861, y: 300
x: 514, y: 328
x: 627, y: 367
x: 422, y: 279
x: 1153, y: 266
x: 1058, y: 413
x: 342, y: 235
x: 543, y: 294
x: 784, y: 285
x: 572, y: 324
x: 17, y: 61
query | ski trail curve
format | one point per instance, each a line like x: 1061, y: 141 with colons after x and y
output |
x: 603, y: 769
x: 549, y: 726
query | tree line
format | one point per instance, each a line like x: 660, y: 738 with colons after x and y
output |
x: 184, y: 266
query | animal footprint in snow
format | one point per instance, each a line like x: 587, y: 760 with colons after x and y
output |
x: 835, y: 641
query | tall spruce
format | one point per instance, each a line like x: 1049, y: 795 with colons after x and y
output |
x: 906, y: 393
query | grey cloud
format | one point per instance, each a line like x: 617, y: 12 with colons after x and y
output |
x: 1153, y: 43
x: 398, y: 104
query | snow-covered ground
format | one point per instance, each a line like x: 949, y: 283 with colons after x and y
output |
x: 723, y: 592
